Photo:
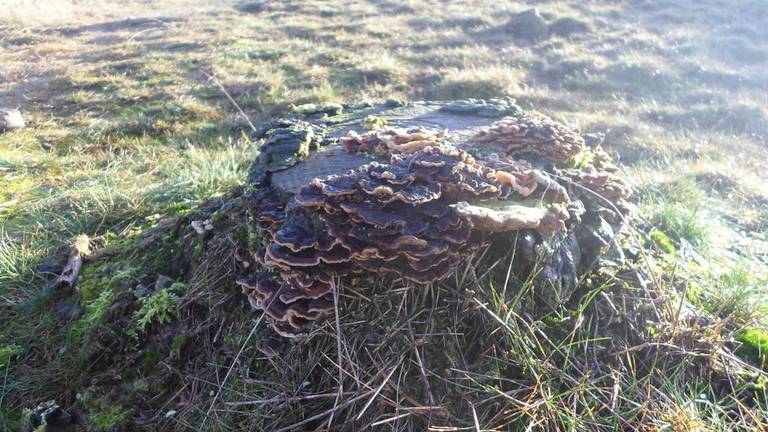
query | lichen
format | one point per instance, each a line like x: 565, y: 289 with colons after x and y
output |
x: 374, y: 122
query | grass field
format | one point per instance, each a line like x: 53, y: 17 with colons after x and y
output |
x: 128, y: 128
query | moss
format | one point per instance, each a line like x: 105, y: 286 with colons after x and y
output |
x: 754, y: 346
x: 90, y: 287
x: 159, y: 308
x: 140, y: 385
x: 582, y: 160
x: 663, y: 242
x: 695, y: 294
x: 178, y: 344
x: 197, y: 252
x: 159, y: 262
x: 179, y: 208
x: 98, y: 278
x: 218, y: 217
x: 94, y: 312
x: 109, y: 419
x: 149, y: 359
x: 7, y: 352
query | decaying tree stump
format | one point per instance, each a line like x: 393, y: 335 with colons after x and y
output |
x: 416, y: 189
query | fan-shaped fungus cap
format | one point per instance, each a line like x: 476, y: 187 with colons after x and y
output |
x: 267, y: 209
x: 289, y: 313
x: 514, y: 217
x: 606, y: 184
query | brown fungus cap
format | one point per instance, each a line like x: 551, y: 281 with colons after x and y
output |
x: 267, y: 209
x: 381, y: 218
x: 532, y: 135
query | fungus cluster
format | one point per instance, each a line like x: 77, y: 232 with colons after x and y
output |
x: 396, y: 217
x: 605, y: 184
x: 532, y: 135
x: 417, y: 211
x: 391, y: 140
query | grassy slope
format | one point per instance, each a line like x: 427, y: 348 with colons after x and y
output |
x: 137, y: 129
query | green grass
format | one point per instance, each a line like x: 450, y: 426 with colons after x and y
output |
x: 681, y: 222
x: 675, y: 207
x: 735, y: 295
x: 8, y: 352
x: 109, y: 419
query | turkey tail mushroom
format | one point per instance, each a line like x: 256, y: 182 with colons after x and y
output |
x: 288, y: 309
x: 391, y: 140
x: 532, y: 135
x: 548, y: 221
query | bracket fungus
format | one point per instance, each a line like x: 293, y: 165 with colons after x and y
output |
x: 532, y: 135
x: 391, y: 140
x: 420, y: 203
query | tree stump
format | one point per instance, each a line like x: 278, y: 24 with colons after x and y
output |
x: 415, y: 189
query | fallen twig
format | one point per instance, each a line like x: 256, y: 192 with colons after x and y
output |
x: 68, y: 277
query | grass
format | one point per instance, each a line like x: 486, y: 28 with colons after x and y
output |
x: 675, y: 208
x: 129, y: 138
x: 735, y: 295
x: 484, y: 83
